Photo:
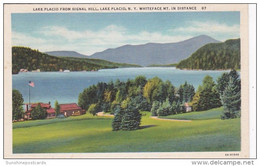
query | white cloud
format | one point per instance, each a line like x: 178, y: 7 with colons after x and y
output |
x: 22, y: 39
x: 89, y: 41
x: 209, y: 27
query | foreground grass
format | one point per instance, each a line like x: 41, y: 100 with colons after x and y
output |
x: 214, y: 113
x: 94, y: 134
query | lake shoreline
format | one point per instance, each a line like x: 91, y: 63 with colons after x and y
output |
x: 185, y: 69
x: 65, y: 87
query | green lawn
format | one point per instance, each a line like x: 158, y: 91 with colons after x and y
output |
x: 210, y: 114
x: 94, y: 134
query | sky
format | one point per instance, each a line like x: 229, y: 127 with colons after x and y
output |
x: 88, y: 33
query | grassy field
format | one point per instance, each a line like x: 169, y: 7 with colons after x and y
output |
x: 210, y: 114
x: 94, y: 134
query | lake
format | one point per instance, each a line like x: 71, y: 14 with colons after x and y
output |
x: 65, y: 87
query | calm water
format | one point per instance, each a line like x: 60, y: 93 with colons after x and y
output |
x: 65, y: 87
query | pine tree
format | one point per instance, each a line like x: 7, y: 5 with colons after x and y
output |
x: 57, y: 108
x: 131, y: 119
x: 119, y: 113
x: 231, y: 99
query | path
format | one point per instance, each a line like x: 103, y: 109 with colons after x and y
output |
x: 103, y: 114
x: 177, y: 120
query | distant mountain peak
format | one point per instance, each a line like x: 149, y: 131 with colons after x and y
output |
x: 154, y: 53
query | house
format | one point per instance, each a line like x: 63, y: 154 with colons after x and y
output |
x: 187, y: 107
x: 65, y: 109
x: 71, y: 110
x: 51, y: 113
x: 46, y: 106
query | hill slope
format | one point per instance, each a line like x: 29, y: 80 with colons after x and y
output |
x: 225, y: 55
x: 26, y: 58
x: 66, y: 54
x: 154, y: 53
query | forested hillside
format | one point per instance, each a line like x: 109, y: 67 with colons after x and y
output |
x: 225, y: 55
x: 27, y: 58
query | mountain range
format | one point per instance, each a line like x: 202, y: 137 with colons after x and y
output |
x: 66, y: 54
x: 147, y: 54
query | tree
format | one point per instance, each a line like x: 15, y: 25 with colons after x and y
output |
x: 116, y: 123
x: 231, y: 99
x: 222, y: 83
x: 170, y: 91
x: 155, y: 107
x: 38, y: 112
x: 140, y: 81
x: 131, y: 119
x: 88, y: 96
x: 93, y: 109
x: 186, y: 92
x: 164, y: 109
x: 17, y: 103
x: 141, y: 103
x: 206, y: 96
x: 151, y: 89
x: 57, y: 108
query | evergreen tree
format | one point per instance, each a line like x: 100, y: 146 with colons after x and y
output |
x: 119, y: 113
x: 57, y: 108
x: 186, y: 92
x: 131, y: 119
x: 170, y: 91
x: 222, y: 83
x: 17, y: 103
x: 231, y: 100
x: 223, y: 80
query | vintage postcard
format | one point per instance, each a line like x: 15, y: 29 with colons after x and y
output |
x: 126, y: 81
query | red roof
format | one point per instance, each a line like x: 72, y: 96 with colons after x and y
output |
x: 50, y: 110
x: 43, y: 105
x: 67, y: 107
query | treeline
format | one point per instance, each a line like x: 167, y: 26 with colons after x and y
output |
x: 161, y: 98
x: 140, y: 92
x: 27, y: 58
x: 126, y: 99
x: 225, y: 55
